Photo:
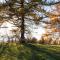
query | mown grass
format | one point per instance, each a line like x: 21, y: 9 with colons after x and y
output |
x: 16, y: 51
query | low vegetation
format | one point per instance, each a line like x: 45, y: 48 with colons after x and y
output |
x: 16, y: 51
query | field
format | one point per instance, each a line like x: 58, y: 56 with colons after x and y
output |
x: 16, y: 51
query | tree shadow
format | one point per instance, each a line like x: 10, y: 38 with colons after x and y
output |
x: 2, y: 48
x: 39, y: 53
x: 30, y: 51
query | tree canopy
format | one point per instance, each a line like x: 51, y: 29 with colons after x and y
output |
x: 18, y: 11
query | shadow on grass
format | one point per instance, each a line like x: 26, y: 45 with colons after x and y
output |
x: 2, y: 48
x: 27, y: 52
x: 42, y: 53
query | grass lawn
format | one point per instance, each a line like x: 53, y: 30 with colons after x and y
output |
x: 13, y: 51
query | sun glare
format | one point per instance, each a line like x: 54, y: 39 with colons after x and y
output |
x: 6, y: 27
x: 37, y: 33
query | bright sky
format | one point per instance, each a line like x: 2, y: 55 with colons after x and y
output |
x: 4, y: 31
x: 37, y: 33
x: 2, y: 1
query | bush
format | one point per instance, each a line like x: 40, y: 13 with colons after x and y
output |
x: 34, y: 40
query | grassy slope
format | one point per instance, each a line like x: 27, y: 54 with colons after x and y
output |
x: 13, y: 51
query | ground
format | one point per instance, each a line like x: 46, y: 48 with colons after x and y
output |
x: 16, y: 51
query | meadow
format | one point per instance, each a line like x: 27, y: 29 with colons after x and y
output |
x: 29, y: 51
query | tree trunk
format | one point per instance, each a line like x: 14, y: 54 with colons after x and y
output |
x: 22, y: 29
x: 22, y: 23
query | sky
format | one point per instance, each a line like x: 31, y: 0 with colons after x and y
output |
x: 6, y: 29
x: 2, y: 1
x: 48, y: 1
x: 37, y: 33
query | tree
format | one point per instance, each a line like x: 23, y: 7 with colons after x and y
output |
x: 22, y: 9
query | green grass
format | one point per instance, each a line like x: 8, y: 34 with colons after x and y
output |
x: 13, y: 51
